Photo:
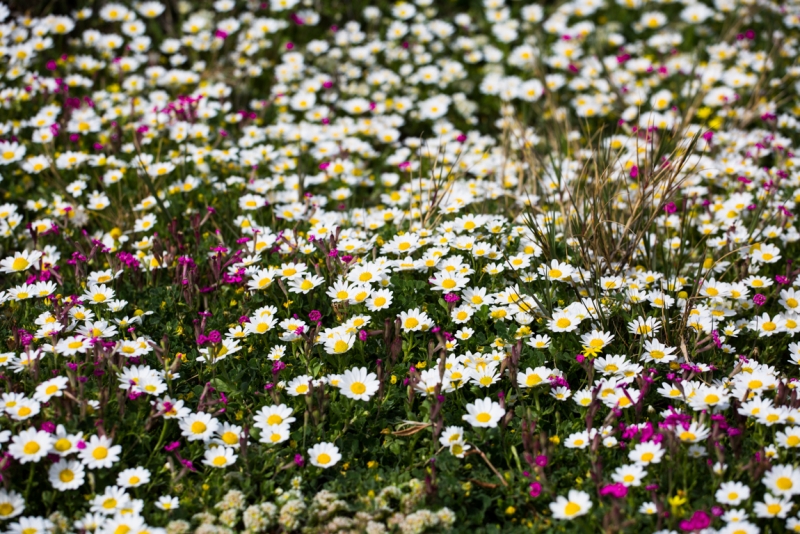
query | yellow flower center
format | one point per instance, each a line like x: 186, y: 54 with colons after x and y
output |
x: 532, y: 380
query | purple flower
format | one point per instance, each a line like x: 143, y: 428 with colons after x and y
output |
x: 451, y: 297
x: 169, y: 447
x: 48, y: 427
x: 299, y: 461
x: 214, y: 336
x: 188, y: 464
x: 759, y: 299
x: 315, y: 315
x: 698, y: 521
x: 715, y: 337
x: 541, y: 460
x: 536, y: 489
x: 558, y: 381
x: 362, y: 335
x: 617, y: 490
x: 671, y: 208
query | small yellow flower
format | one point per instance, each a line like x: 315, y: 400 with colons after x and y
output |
x: 677, y: 502
x: 394, y: 379
x: 372, y: 464
x: 703, y: 112
x: 555, y: 440
x: 510, y: 510
x: 591, y: 352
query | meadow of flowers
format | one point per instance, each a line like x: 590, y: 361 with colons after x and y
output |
x: 303, y: 266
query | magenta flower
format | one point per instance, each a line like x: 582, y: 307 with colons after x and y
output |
x: 698, y: 521
x: 617, y: 490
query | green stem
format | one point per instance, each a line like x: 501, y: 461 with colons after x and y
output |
x: 29, y: 484
x: 161, y: 437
